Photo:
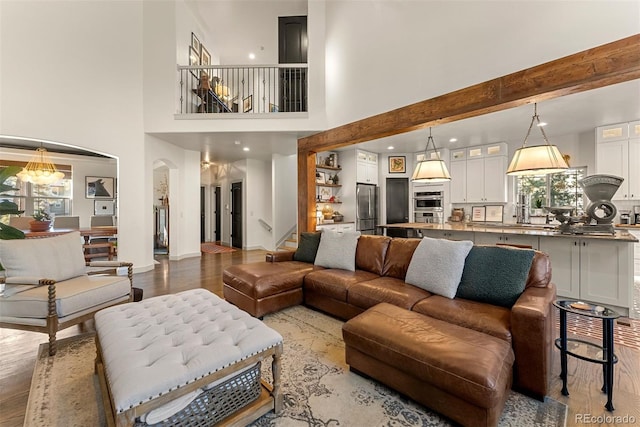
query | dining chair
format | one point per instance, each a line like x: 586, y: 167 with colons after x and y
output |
x: 101, y: 220
x: 101, y: 249
x: 66, y: 222
x: 20, y: 222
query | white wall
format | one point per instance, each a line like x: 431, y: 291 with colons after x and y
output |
x: 71, y: 73
x: 399, y: 54
x: 184, y: 196
x: 284, y: 171
x: 257, y: 192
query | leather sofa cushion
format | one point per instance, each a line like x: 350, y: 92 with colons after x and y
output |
x: 385, y: 289
x: 398, y: 257
x: 371, y: 253
x: 334, y: 283
x: 540, y: 271
x: 262, y: 279
x: 474, y: 366
x: 486, y: 318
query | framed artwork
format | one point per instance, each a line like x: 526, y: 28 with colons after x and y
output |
x: 99, y: 187
x: 478, y: 213
x: 325, y: 193
x: 195, y: 44
x: 397, y: 164
x: 194, y: 59
x: 320, y: 178
x: 247, y: 104
x: 205, y: 56
x: 494, y: 213
x: 273, y: 108
x: 104, y: 207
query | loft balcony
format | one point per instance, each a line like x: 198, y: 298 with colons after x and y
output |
x: 243, y: 90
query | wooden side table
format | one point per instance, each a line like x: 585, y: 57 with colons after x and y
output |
x: 584, y: 349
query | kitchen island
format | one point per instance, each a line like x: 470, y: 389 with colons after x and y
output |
x: 597, y: 268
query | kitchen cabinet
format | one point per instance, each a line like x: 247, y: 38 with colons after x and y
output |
x: 446, y: 234
x: 478, y: 176
x: 636, y: 253
x: 506, y: 239
x: 366, y: 167
x: 598, y: 271
x: 617, y: 154
x: 336, y: 226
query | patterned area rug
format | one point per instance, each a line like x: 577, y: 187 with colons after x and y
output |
x: 318, y: 388
x: 212, y: 248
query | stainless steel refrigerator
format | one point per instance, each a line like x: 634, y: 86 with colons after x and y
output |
x: 366, y: 208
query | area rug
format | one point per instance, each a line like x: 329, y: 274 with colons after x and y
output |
x: 212, y: 248
x: 318, y: 388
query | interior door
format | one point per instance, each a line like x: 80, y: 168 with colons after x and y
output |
x: 203, y: 215
x: 236, y: 215
x: 397, y: 199
x: 217, y: 211
x: 292, y: 49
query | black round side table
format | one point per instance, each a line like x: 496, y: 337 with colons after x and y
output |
x: 586, y: 350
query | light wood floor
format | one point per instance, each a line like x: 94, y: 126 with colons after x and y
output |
x: 18, y: 349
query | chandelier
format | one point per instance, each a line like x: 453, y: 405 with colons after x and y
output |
x: 538, y: 159
x: 431, y: 169
x: 40, y: 170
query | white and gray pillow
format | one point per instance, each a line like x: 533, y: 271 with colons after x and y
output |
x: 337, y: 250
x: 437, y: 265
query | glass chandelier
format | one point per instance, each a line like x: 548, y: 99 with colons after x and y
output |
x: 40, y: 170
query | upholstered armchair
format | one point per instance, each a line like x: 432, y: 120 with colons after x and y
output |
x: 49, y: 287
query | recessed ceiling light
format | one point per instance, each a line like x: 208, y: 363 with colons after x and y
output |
x: 542, y: 124
x: 246, y: 149
x: 236, y: 142
x: 252, y: 55
x: 453, y: 139
x: 391, y: 147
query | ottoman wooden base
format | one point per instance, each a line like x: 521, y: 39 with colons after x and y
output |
x: 463, y: 374
x: 152, y: 352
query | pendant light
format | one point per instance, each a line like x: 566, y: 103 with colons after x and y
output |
x: 431, y: 170
x: 537, y: 159
x: 40, y: 170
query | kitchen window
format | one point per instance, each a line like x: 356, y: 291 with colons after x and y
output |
x: 556, y: 189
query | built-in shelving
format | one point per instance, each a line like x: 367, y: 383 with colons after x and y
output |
x: 329, y: 185
x: 328, y: 167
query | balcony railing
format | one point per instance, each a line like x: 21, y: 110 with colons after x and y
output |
x: 243, y: 89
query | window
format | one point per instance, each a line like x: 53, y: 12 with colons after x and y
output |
x: 55, y: 199
x: 557, y: 189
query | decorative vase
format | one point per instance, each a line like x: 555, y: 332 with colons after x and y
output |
x: 39, y: 225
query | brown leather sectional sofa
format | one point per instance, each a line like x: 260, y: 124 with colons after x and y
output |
x: 381, y: 265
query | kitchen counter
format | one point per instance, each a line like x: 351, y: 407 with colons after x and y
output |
x: 621, y: 235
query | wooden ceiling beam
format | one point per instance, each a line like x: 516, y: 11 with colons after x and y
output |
x: 601, y: 66
x: 604, y: 65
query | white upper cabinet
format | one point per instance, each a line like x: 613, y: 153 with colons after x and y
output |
x: 366, y: 167
x: 619, y: 155
x: 478, y: 174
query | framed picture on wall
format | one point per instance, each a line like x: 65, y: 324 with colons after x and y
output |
x: 397, y: 164
x: 205, y: 56
x: 99, y: 187
x: 247, y: 104
x: 478, y: 213
x: 104, y: 207
x: 194, y: 59
x: 195, y: 43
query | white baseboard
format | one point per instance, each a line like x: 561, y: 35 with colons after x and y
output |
x: 183, y: 256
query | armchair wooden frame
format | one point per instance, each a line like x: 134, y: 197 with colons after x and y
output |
x: 53, y: 324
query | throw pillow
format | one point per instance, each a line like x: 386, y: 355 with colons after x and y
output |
x: 338, y: 250
x: 437, y: 264
x: 495, y: 275
x: 307, y: 247
x: 58, y: 258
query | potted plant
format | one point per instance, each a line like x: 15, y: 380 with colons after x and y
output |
x: 41, y: 221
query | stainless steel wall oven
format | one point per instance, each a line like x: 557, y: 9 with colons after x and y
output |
x: 428, y: 206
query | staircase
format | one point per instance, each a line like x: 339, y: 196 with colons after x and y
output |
x: 290, y: 244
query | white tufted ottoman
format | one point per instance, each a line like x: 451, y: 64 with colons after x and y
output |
x: 152, y: 352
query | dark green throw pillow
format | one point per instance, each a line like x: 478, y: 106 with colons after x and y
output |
x: 495, y: 275
x: 307, y: 247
